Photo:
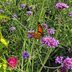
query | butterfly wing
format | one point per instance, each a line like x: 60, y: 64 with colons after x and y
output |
x: 37, y: 34
x: 40, y: 29
x: 34, y: 35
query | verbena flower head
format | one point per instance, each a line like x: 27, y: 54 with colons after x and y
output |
x: 59, y: 59
x: 23, y: 6
x: 25, y: 54
x: 1, y: 11
x: 14, y: 16
x: 29, y: 12
x: 12, y: 62
x: 70, y: 14
x: 51, y: 31
x: 67, y: 63
x: 63, y: 69
x: 61, y: 5
x: 45, y: 25
x: 11, y: 29
x: 50, y: 41
x: 30, y: 35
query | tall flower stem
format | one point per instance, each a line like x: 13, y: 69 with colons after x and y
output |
x: 46, y: 58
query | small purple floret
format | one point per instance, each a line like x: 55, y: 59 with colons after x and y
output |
x: 25, y: 54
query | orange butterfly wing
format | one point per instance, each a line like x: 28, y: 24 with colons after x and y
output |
x: 35, y: 35
x: 40, y: 29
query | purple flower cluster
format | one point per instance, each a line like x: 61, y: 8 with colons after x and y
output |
x: 51, y: 31
x: 1, y: 11
x: 70, y: 14
x: 11, y: 29
x: 66, y: 63
x: 25, y: 54
x: 61, y: 5
x: 23, y: 6
x: 30, y: 35
x: 50, y: 41
x: 14, y: 16
x: 59, y: 59
x: 45, y: 25
x: 29, y: 12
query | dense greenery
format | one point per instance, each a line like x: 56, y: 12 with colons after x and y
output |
x: 13, y: 43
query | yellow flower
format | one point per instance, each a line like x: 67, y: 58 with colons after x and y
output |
x: 3, y: 40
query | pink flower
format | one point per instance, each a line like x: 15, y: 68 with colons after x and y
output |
x: 61, y: 5
x: 12, y: 62
x: 50, y: 41
x: 59, y: 59
x: 51, y: 31
x: 70, y: 14
x: 67, y: 63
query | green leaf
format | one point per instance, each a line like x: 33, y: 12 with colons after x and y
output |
x: 1, y: 45
x: 3, y: 40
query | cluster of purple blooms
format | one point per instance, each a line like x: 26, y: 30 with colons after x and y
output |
x: 29, y: 12
x: 25, y: 54
x: 65, y: 62
x: 61, y: 5
x: 50, y: 41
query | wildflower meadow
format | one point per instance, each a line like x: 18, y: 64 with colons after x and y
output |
x: 35, y: 35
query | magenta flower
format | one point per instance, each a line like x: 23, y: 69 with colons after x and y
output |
x: 70, y: 14
x: 67, y: 63
x: 25, y: 54
x: 50, y: 41
x: 59, y: 59
x: 29, y: 12
x: 12, y: 62
x: 61, y: 5
x: 51, y: 31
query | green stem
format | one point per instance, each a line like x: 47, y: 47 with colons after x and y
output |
x: 46, y: 58
x: 41, y: 10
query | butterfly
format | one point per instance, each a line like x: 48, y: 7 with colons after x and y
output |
x: 38, y: 34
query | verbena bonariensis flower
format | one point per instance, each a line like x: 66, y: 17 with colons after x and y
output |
x: 51, y: 31
x: 23, y: 6
x: 63, y: 69
x: 29, y: 12
x: 61, y: 5
x: 11, y: 29
x: 45, y: 25
x: 59, y: 59
x: 50, y: 41
x: 70, y: 14
x: 12, y: 62
x: 25, y: 54
x: 30, y: 36
x: 67, y: 63
x: 14, y: 16
x: 1, y: 11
